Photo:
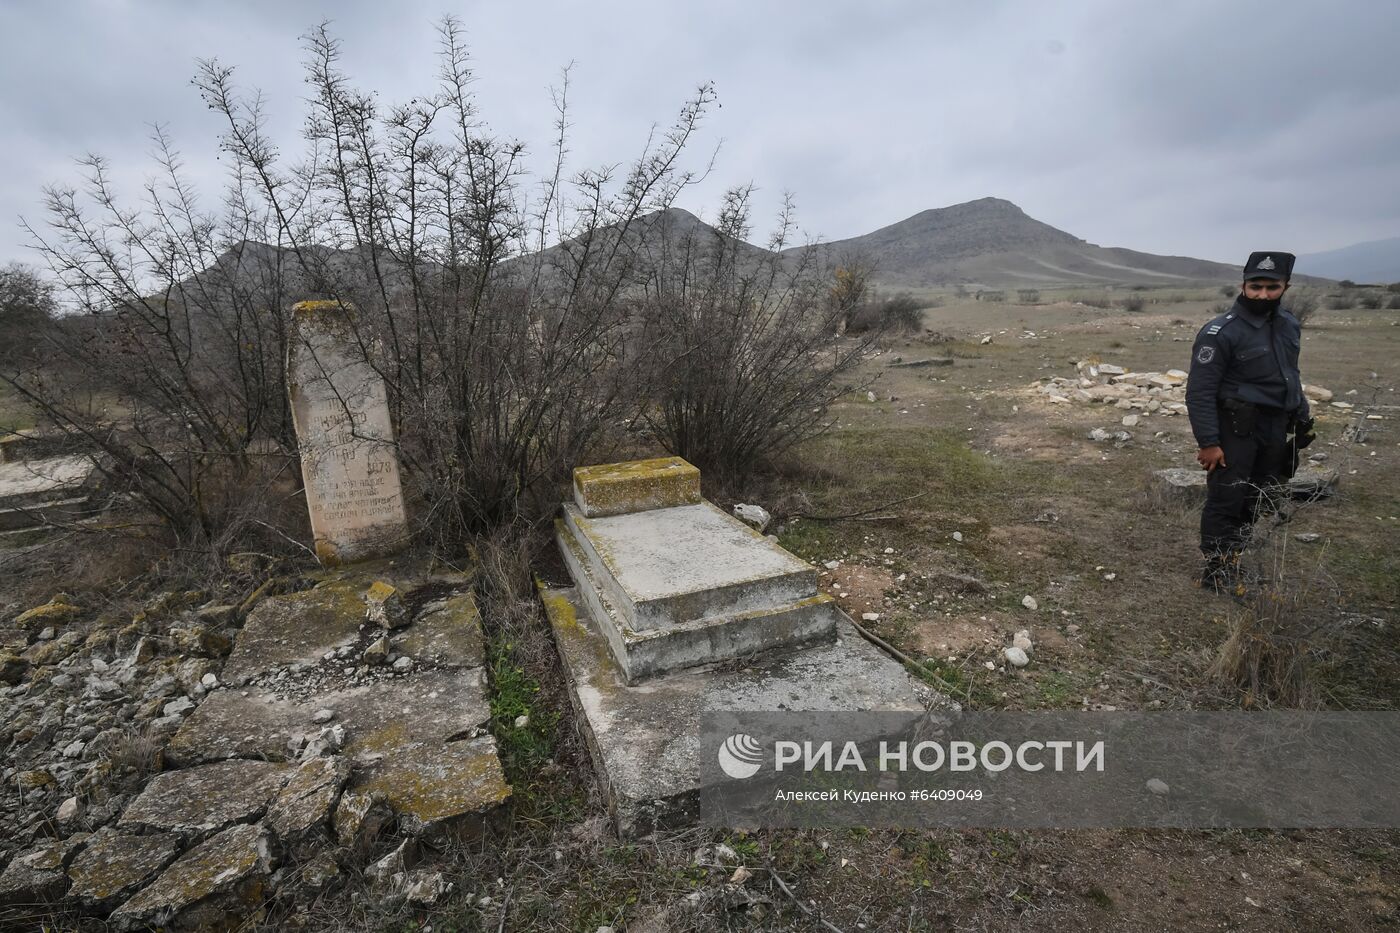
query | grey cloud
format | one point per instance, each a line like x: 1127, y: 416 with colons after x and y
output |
x: 1135, y: 124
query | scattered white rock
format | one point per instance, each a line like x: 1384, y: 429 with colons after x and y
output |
x: 323, y: 716
x: 209, y: 680
x: 832, y: 564
x: 395, y: 863
x: 1016, y: 656
x: 986, y: 340
x: 522, y: 720
x: 1307, y: 537
x: 69, y: 810
x: 755, y: 516
x: 1130, y: 421
x: 1110, y: 577
x: 1158, y: 786
x: 178, y: 707
x: 1030, y: 603
x: 870, y: 396
x: 403, y: 665
x: 741, y: 874
x: 422, y: 888
x: 1022, y: 640
x: 957, y: 536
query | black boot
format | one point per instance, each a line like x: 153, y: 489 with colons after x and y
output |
x: 1222, y: 574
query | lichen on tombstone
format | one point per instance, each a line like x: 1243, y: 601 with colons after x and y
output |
x: 349, y: 459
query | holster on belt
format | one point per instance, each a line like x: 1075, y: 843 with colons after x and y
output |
x: 1239, y: 415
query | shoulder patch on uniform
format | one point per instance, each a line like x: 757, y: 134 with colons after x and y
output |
x: 1205, y: 354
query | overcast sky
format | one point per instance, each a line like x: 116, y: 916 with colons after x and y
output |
x: 1192, y: 128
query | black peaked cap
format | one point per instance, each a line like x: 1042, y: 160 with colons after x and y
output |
x: 1270, y: 265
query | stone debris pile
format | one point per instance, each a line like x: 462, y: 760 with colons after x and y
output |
x: 186, y: 768
x: 1149, y: 392
x: 1137, y: 394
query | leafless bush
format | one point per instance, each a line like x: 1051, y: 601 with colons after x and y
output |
x: 1341, y: 302
x: 850, y: 285
x: 27, y: 308
x: 1028, y: 296
x: 995, y: 296
x: 1394, y: 303
x: 169, y: 360
x: 1134, y: 303
x: 505, y: 357
x: 1371, y: 301
x: 1229, y: 291
x: 1303, y: 304
x: 739, y: 362
x: 900, y: 314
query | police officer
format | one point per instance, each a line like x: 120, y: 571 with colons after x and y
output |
x: 1245, y: 399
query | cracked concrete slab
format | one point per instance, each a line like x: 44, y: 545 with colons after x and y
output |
x: 296, y: 628
x: 644, y: 738
x: 207, y: 799
x: 425, y: 705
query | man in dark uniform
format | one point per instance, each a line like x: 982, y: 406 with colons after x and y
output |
x: 1245, y: 399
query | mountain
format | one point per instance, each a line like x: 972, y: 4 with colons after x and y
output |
x: 992, y: 242
x: 1373, y: 262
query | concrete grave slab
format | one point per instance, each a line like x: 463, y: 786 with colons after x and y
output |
x: 218, y: 884
x: 635, y: 486
x: 300, y: 816
x: 282, y: 630
x: 67, y: 511
x: 115, y: 865
x: 1188, y: 485
x: 644, y: 738
x: 690, y: 585
x: 420, y: 737
x: 37, y: 874
x: 204, y: 800
x: 425, y: 706
x: 447, y: 631
x: 431, y: 785
x: 27, y: 483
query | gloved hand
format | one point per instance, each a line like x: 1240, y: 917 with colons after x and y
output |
x: 1303, y: 434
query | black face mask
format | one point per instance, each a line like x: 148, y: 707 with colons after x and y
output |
x: 1260, y: 306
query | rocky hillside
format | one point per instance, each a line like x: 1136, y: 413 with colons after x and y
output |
x: 992, y: 242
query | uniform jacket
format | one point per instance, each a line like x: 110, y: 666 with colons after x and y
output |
x: 1241, y: 355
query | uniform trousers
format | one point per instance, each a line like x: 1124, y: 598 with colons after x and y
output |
x: 1260, y: 459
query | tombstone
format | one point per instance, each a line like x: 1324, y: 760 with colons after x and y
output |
x: 348, y: 462
x: 678, y: 609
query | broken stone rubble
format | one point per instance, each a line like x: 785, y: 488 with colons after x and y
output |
x: 126, y: 689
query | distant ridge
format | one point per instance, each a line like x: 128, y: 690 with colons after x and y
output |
x: 987, y: 243
x: 1374, y: 262
x: 992, y: 242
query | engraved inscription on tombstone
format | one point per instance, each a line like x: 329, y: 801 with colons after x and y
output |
x: 341, y: 412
